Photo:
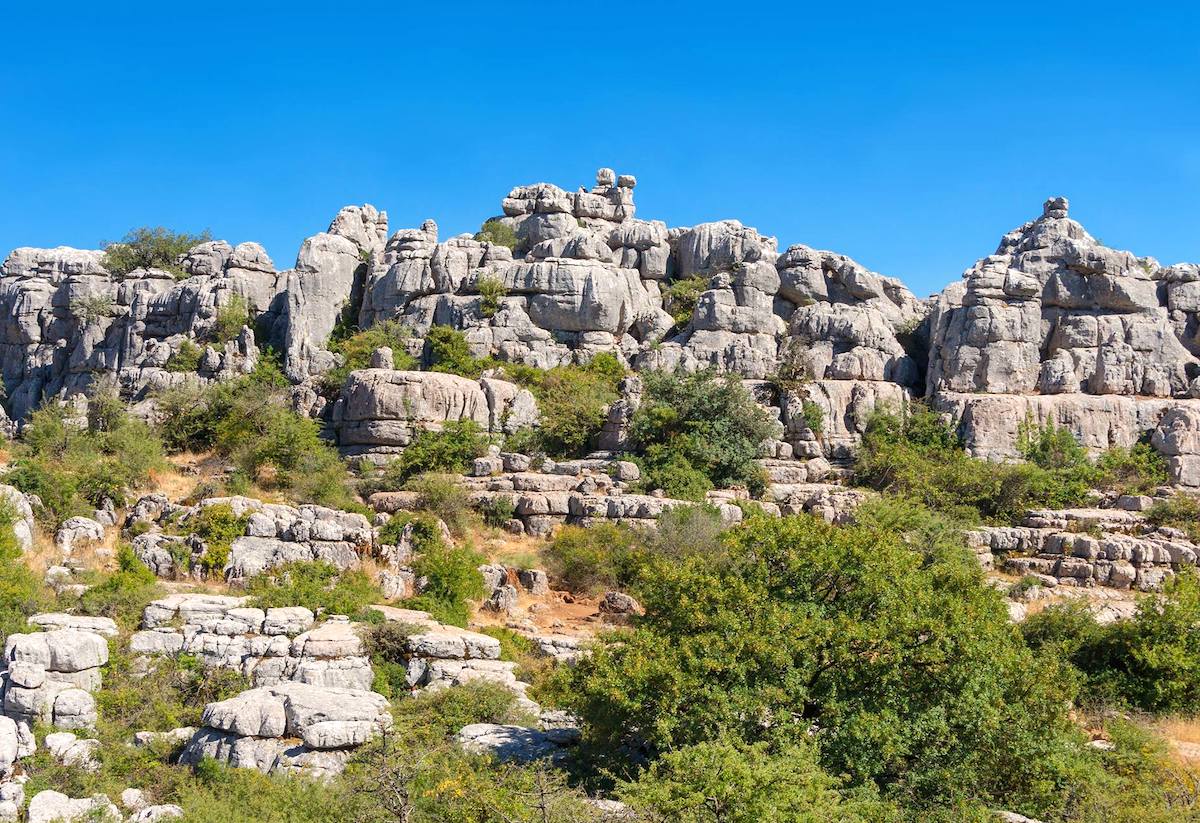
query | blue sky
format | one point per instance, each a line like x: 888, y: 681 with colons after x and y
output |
x: 908, y: 136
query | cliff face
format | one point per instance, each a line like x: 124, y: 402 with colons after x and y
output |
x: 1053, y: 324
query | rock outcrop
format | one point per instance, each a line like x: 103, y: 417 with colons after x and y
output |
x: 1056, y: 327
x: 1053, y: 326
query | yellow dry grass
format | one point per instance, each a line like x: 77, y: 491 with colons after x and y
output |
x: 1179, y: 728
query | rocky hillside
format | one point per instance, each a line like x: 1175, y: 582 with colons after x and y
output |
x: 1052, y: 324
x: 588, y: 518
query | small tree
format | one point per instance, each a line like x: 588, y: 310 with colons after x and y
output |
x: 491, y: 292
x: 146, y: 248
x: 449, y: 352
x: 92, y: 309
x: 498, y: 232
x: 700, y: 420
x: 231, y: 318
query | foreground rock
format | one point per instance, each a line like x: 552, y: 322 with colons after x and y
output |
x: 289, y: 728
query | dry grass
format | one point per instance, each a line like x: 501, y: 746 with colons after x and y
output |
x: 518, y: 550
x: 1179, y: 729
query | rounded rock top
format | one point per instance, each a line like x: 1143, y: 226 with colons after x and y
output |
x: 1055, y: 207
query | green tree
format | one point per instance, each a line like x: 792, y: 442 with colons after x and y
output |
x: 356, y: 350
x: 146, y: 248
x: 491, y: 292
x: 730, y: 782
x: 449, y: 353
x: 498, y: 232
x: 231, y: 318
x: 902, y: 663
x: 701, y: 421
x: 572, y: 404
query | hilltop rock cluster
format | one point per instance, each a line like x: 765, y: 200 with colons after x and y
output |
x: 1053, y: 325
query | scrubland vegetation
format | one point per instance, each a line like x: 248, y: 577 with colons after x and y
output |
x: 783, y: 669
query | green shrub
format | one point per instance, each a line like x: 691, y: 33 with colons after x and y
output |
x: 513, y: 645
x: 1049, y: 446
x: 425, y: 529
x: 21, y: 594
x: 231, y: 318
x: 441, y: 496
x: 669, y: 466
x: 356, y: 350
x: 387, y: 645
x: 917, y: 454
x: 1150, y: 662
x: 218, y: 527
x: 724, y: 780
x: 92, y: 309
x: 1137, y: 470
x: 452, y: 579
x: 686, y: 531
x: 449, y: 353
x: 185, y: 359
x: 497, y: 511
x: 698, y: 423
x: 600, y: 557
x: 572, y: 404
x: 248, y: 421
x: 900, y: 665
x: 1180, y: 512
x: 498, y: 232
x: 814, y: 417
x: 491, y: 292
x: 450, y: 450
x: 123, y: 594
x: 316, y: 585
x: 682, y: 296
x: 73, y: 470
x: 145, y: 248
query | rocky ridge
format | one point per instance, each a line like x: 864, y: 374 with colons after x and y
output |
x: 1053, y: 325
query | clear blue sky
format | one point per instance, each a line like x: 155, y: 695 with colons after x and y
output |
x: 909, y: 136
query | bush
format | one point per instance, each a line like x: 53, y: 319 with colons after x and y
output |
x: 248, y: 421
x: 425, y: 528
x: 318, y: 586
x: 698, y: 423
x: 669, y: 466
x: 21, y: 594
x: 452, y: 579
x: 900, y: 665
x: 387, y: 646
x: 441, y: 496
x: 92, y: 309
x: 146, y: 248
x: 590, y: 560
x: 572, y: 404
x: 1137, y: 470
x: 72, y: 469
x: 725, y: 780
x: 123, y: 594
x: 218, y: 527
x: 1150, y: 662
x: 497, y: 511
x: 498, y: 232
x: 231, y: 318
x: 185, y: 359
x: 449, y: 353
x: 356, y: 351
x: 814, y: 417
x: 450, y: 450
x: 491, y: 292
x: 682, y: 296
x: 687, y: 531
x: 917, y: 454
x: 1179, y: 512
